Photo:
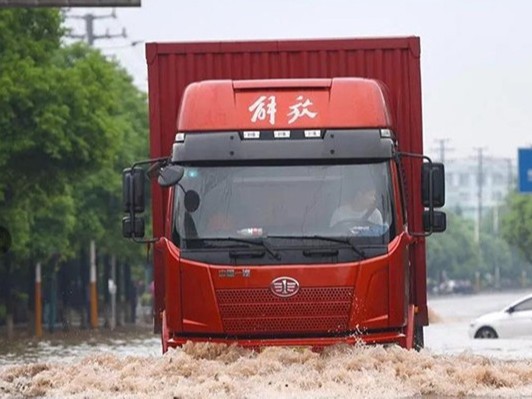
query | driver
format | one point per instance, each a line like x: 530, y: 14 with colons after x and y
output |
x: 359, y: 207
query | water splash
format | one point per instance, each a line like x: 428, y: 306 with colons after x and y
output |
x: 220, y: 371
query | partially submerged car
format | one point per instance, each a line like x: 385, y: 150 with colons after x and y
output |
x: 513, y: 321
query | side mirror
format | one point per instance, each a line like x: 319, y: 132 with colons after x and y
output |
x: 510, y: 310
x: 133, y: 230
x: 438, y: 224
x: 133, y: 181
x: 170, y: 175
x: 433, y: 176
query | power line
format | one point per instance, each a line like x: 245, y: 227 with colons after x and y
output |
x: 134, y: 43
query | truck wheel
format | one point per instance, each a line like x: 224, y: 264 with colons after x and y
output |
x: 419, y: 340
x: 486, y: 333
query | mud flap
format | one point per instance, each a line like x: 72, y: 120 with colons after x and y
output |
x: 165, y: 336
x: 410, y: 327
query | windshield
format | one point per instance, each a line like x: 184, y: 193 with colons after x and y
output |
x: 284, y: 202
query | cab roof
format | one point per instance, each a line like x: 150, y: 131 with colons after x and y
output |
x: 223, y: 105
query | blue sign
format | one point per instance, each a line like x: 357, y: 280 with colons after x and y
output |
x: 525, y: 170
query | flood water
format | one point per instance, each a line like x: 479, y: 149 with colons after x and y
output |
x: 129, y: 365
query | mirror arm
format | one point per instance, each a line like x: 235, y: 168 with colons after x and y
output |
x: 431, y: 207
x: 144, y: 241
x: 157, y: 164
x: 162, y: 161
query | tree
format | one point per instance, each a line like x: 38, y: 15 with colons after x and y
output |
x: 70, y: 120
x: 455, y: 252
x: 517, y: 223
x: 27, y: 43
x: 119, y: 110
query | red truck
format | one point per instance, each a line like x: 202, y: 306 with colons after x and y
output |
x: 292, y: 197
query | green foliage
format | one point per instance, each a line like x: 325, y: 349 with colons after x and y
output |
x: 457, y: 255
x: 495, y: 253
x: 27, y: 42
x: 454, y: 252
x: 52, y: 224
x: 70, y: 121
x: 120, y: 111
x: 27, y: 34
x: 517, y: 223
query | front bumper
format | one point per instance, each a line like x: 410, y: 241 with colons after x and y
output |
x: 397, y: 338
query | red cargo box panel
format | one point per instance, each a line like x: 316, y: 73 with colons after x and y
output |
x: 394, y: 61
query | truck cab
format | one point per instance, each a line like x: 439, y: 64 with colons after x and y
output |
x: 286, y: 216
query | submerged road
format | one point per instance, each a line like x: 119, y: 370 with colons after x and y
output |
x: 129, y: 365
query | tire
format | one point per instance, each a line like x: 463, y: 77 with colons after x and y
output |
x: 419, y: 340
x: 486, y: 333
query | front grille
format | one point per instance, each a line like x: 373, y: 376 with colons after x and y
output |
x: 259, y: 311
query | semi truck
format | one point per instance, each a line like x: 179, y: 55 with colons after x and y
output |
x: 290, y: 195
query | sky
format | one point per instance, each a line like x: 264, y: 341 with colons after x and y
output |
x: 476, y: 55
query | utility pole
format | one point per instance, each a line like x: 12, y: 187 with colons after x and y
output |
x: 443, y: 148
x: 510, y: 175
x: 89, y: 35
x: 38, y: 301
x: 480, y: 183
x: 93, y: 291
x: 112, y: 290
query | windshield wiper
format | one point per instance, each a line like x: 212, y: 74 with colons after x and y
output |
x: 347, y: 241
x: 258, y: 241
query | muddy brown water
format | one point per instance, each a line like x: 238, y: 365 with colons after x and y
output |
x: 129, y: 365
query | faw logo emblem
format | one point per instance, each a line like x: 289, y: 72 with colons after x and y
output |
x: 284, y: 286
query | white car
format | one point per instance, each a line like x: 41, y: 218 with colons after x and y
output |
x: 513, y: 321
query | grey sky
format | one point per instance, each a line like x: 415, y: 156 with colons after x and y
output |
x: 476, y: 54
